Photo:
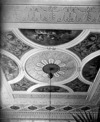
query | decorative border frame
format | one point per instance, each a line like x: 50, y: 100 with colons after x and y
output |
x: 78, y: 39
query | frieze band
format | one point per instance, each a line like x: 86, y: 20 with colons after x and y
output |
x: 51, y: 14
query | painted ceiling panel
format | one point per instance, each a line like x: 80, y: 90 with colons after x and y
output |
x: 67, y: 108
x: 50, y: 89
x: 78, y: 86
x: 15, y: 107
x: 85, y: 108
x: 9, y: 67
x: 32, y: 107
x: 49, y: 37
x: 13, y: 45
x: 49, y: 108
x: 22, y: 85
x: 91, y: 68
x: 89, y: 45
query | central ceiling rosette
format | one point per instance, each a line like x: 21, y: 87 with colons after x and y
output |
x: 62, y: 65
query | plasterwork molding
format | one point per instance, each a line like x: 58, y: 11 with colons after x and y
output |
x: 51, y: 14
x: 58, y: 2
x: 46, y: 96
x: 38, y: 115
x: 56, y: 99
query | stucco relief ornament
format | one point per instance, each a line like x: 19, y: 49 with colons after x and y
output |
x: 51, y: 66
x: 41, y: 65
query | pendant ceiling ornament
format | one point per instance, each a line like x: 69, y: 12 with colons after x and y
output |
x: 61, y: 64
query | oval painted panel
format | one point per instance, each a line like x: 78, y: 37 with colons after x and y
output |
x: 9, y: 67
x: 91, y: 68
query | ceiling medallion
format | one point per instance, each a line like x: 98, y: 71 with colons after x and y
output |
x: 60, y: 64
x: 50, y: 66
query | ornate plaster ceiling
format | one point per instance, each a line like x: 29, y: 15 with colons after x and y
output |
x: 27, y: 67
x: 50, y: 71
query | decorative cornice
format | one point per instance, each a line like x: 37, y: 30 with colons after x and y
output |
x: 51, y: 14
x: 46, y: 95
x: 37, y: 115
x: 56, y: 99
x: 58, y: 2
